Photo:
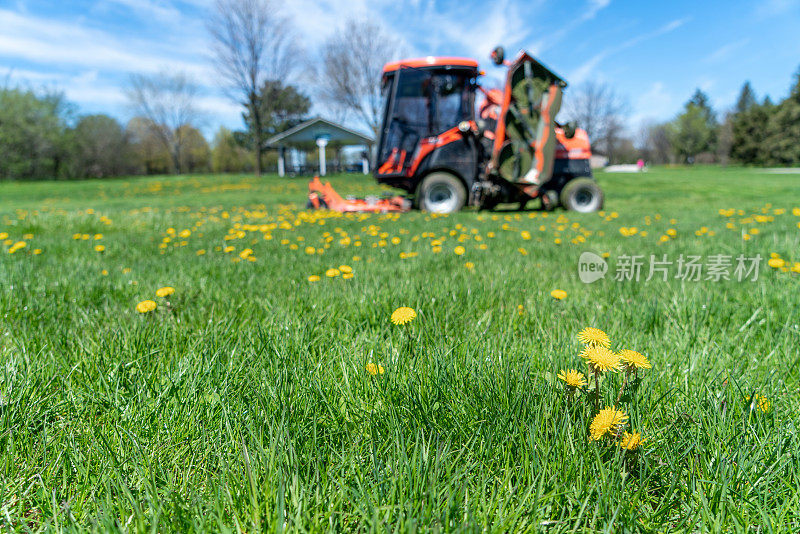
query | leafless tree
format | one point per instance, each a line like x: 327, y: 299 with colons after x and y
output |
x: 353, y: 59
x: 654, y: 142
x: 596, y: 108
x: 725, y: 140
x: 167, y: 102
x: 253, y: 42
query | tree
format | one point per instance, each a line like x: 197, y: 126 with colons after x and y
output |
x: 725, y: 139
x: 149, y: 153
x: 34, y: 141
x: 782, y: 142
x: 746, y: 100
x: 168, y: 103
x: 227, y: 155
x: 655, y: 143
x: 279, y: 108
x: 600, y: 111
x: 253, y: 44
x: 102, y: 147
x: 353, y: 59
x: 196, y: 154
x: 749, y: 126
x: 693, y: 132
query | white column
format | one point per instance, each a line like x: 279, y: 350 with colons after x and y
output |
x: 322, y: 143
x: 365, y: 165
x: 281, y: 162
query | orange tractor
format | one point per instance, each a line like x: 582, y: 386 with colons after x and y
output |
x: 437, y: 146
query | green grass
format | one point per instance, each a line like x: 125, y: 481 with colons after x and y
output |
x: 243, y: 404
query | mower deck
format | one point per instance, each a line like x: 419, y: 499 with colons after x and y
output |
x: 323, y: 196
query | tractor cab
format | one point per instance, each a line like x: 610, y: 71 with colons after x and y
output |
x: 424, y: 102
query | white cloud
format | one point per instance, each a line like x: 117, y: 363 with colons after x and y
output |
x: 60, y: 45
x: 725, y: 51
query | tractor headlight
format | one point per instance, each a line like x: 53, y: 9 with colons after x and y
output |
x: 464, y: 126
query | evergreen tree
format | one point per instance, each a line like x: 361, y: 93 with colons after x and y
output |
x: 782, y: 143
x: 694, y: 131
x: 746, y: 100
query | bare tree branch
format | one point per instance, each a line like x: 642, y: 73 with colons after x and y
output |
x: 600, y: 111
x: 168, y: 103
x: 253, y: 42
x: 353, y: 59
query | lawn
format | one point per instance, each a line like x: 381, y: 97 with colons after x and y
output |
x: 245, y: 401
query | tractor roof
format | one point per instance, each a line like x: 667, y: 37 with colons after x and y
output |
x: 430, y: 61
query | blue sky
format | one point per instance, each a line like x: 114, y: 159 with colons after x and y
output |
x: 653, y: 53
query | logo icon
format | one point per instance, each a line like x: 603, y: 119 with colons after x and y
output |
x: 591, y: 267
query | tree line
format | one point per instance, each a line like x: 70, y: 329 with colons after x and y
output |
x: 261, y: 66
x: 753, y: 132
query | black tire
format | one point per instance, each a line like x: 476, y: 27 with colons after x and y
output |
x: 441, y: 192
x: 582, y: 195
x: 549, y: 200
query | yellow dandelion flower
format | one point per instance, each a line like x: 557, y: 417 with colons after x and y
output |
x: 608, y: 421
x: 632, y: 359
x: 469, y: 265
x: 347, y: 276
x: 631, y: 441
x: 600, y: 359
x: 146, y: 306
x: 573, y: 378
x: 403, y: 315
x: 459, y: 250
x: 313, y: 278
x: 165, y: 291
x: 594, y: 336
x: 4, y: 235
x: 374, y: 369
x: 760, y: 402
x: 346, y: 269
x: 558, y: 294
x: 17, y: 246
x: 776, y: 263
x: 332, y: 273
x: 100, y: 248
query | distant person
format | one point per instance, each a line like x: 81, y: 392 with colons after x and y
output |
x: 640, y: 165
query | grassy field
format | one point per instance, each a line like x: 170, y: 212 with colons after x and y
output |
x: 244, y: 401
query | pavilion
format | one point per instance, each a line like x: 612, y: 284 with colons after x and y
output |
x: 320, y: 133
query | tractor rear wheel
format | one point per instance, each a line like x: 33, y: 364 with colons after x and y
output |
x: 582, y: 195
x: 441, y: 192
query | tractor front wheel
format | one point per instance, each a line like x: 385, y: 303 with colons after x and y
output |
x: 582, y: 195
x: 441, y: 192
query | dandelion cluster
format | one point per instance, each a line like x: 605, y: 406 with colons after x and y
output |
x: 610, y: 421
